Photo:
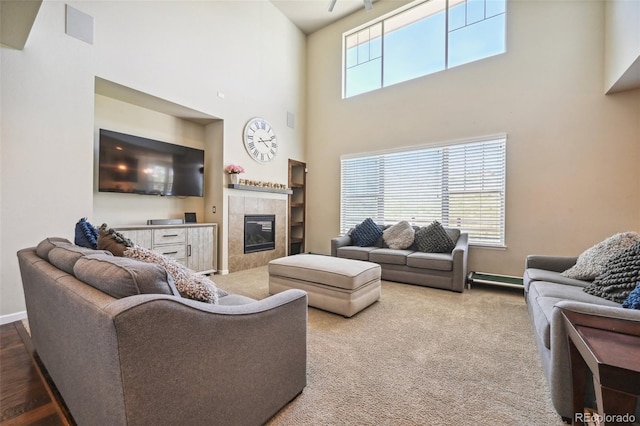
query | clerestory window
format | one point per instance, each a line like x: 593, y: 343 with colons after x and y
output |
x: 461, y: 185
x: 422, y: 38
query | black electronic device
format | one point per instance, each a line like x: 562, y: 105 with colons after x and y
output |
x: 165, y: 221
x: 190, y: 218
x: 137, y: 165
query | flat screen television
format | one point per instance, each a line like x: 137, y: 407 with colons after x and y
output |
x: 137, y: 165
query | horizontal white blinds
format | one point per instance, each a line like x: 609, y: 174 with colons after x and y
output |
x: 462, y: 186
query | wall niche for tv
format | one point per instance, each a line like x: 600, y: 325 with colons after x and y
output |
x: 129, y: 112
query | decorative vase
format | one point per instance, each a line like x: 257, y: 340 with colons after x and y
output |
x: 234, y: 178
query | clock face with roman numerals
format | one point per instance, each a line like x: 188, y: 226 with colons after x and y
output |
x: 260, y: 140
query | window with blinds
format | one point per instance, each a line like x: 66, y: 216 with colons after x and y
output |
x: 461, y: 185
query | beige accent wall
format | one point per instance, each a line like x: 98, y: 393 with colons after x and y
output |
x: 133, y: 209
x: 232, y: 60
x: 572, y: 152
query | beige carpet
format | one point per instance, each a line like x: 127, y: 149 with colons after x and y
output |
x: 419, y: 356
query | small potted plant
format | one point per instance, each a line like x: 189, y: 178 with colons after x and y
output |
x: 233, y: 170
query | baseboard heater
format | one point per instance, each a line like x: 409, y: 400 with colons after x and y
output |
x: 494, y: 279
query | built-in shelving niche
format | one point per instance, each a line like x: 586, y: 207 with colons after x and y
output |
x: 129, y: 209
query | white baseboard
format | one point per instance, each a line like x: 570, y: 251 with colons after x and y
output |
x: 6, y: 319
x: 223, y: 272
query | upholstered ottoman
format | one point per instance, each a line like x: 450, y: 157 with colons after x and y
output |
x: 341, y: 286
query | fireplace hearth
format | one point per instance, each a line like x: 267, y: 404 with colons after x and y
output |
x: 259, y: 233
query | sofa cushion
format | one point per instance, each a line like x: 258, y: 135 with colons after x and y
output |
x: 355, y: 252
x: 620, y: 277
x: 399, y: 236
x: 533, y: 274
x: 121, y: 277
x: 46, y: 245
x: 388, y: 255
x: 65, y: 256
x: 189, y: 284
x: 569, y: 292
x: 380, y: 241
x: 366, y: 233
x: 541, y: 310
x: 86, y: 235
x: 437, y: 261
x: 592, y: 262
x: 434, y: 239
x: 544, y: 296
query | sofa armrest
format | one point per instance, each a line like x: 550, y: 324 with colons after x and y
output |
x: 236, y: 364
x: 460, y: 254
x: 550, y: 263
x: 337, y: 242
x: 600, y: 310
x: 559, y: 371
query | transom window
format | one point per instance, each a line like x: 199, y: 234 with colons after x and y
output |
x: 461, y: 185
x: 423, y: 38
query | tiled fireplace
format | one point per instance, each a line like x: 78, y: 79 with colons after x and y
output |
x: 261, y: 217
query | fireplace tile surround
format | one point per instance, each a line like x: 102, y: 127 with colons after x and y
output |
x: 239, y: 207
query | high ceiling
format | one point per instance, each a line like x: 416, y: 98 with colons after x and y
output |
x: 311, y: 15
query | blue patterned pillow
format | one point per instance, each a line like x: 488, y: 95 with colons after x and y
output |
x: 633, y: 300
x: 86, y: 235
x: 366, y: 234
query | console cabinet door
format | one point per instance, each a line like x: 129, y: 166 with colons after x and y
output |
x: 141, y: 237
x: 200, y: 248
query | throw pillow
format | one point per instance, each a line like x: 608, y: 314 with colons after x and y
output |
x: 434, y: 239
x: 399, y: 236
x: 86, y: 235
x: 592, y: 261
x: 189, y: 284
x: 620, y: 277
x: 111, y: 240
x: 121, y: 277
x: 633, y: 301
x: 366, y: 233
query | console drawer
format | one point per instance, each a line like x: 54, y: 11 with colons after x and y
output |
x: 174, y: 251
x: 169, y: 236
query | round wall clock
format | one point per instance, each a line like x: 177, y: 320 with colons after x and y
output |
x: 260, y: 140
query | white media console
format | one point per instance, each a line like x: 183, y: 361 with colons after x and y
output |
x: 195, y: 245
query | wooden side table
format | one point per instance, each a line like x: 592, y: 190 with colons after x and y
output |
x: 610, y: 348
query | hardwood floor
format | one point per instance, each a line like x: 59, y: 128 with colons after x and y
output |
x: 25, y: 395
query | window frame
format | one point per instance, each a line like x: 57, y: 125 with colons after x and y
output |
x: 445, y: 192
x: 416, y: 3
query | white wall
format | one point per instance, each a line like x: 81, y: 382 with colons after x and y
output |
x: 572, y: 152
x: 622, y: 43
x: 180, y: 51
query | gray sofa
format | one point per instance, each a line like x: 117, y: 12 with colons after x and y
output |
x: 547, y: 294
x: 153, y: 359
x: 440, y: 270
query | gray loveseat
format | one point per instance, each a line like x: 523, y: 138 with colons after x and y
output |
x: 440, y: 270
x: 548, y: 293
x: 153, y: 359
